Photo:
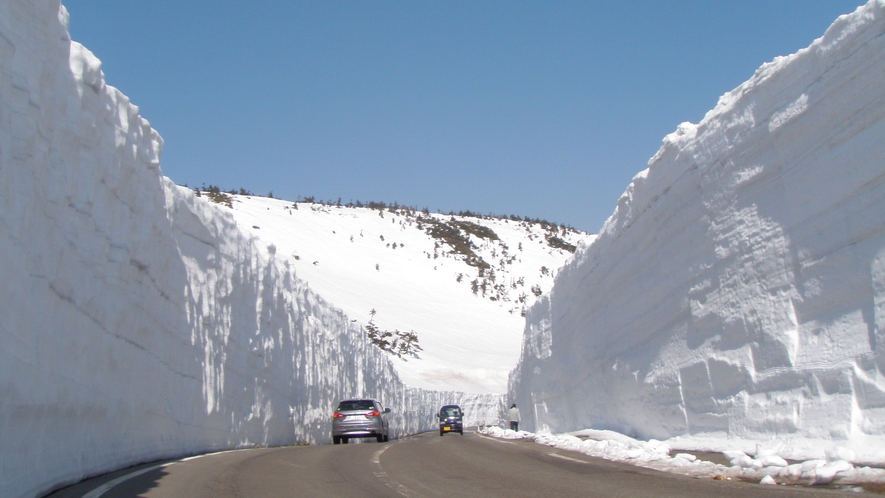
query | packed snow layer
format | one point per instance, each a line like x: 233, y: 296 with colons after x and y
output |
x: 738, y: 290
x: 137, y: 321
x: 385, y: 260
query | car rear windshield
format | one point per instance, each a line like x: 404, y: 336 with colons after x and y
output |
x: 361, y: 404
x: 452, y: 411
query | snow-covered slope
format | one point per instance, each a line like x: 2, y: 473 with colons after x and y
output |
x: 136, y: 320
x: 738, y: 290
x: 466, y: 307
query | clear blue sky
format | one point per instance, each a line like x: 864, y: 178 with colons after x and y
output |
x: 540, y: 109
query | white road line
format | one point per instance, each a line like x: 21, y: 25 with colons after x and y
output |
x: 97, y: 492
x: 376, y: 457
x: 563, y: 457
x: 494, y: 439
x: 387, y: 480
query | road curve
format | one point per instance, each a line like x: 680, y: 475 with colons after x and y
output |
x: 423, y: 466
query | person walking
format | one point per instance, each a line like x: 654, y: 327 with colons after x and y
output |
x: 514, y: 417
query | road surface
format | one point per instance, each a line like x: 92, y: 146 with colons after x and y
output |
x: 426, y: 465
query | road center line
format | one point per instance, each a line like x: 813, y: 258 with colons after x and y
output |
x: 387, y: 480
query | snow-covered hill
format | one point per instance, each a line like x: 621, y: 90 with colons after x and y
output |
x: 461, y: 283
x: 738, y: 290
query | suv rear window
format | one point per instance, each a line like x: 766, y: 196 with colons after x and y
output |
x: 362, y: 404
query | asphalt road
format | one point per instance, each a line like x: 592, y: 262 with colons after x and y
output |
x: 426, y: 465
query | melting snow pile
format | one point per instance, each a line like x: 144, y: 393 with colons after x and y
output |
x: 738, y: 290
x: 137, y: 322
x: 765, y: 466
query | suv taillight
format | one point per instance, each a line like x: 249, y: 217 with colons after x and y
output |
x: 338, y: 415
x: 373, y: 414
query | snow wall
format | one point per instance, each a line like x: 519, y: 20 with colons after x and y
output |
x: 738, y: 289
x: 136, y: 321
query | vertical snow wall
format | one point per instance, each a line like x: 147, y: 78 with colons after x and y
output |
x: 739, y: 286
x: 136, y: 321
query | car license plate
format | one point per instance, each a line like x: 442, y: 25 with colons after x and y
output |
x: 447, y: 428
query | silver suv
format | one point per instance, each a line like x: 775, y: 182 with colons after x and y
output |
x: 360, y: 418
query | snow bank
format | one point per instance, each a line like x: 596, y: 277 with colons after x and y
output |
x: 136, y: 321
x: 738, y: 290
x: 764, y: 467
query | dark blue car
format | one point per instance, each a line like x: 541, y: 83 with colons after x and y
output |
x: 451, y: 419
